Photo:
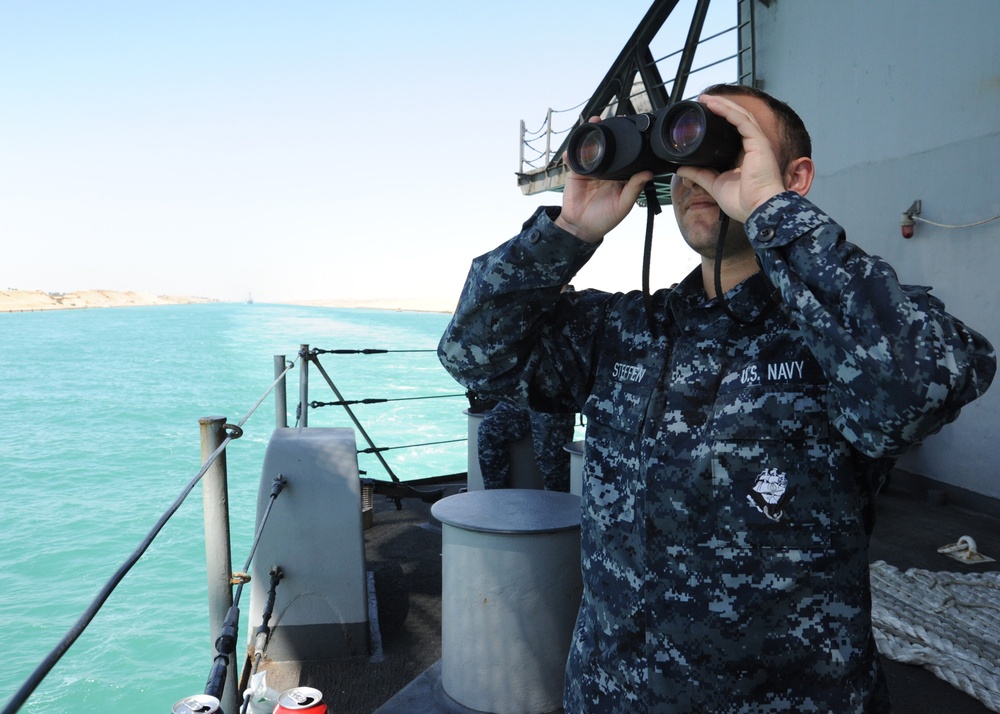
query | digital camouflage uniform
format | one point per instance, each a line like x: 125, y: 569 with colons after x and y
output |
x: 550, y: 433
x: 730, y: 470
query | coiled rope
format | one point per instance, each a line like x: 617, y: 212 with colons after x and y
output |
x: 946, y: 622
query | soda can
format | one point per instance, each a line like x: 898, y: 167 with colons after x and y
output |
x: 301, y: 700
x: 198, y: 704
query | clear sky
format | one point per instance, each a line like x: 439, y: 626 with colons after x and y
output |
x: 295, y: 150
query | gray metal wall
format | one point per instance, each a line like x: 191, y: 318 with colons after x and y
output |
x: 902, y: 98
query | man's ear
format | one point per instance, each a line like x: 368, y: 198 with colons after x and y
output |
x: 799, y: 175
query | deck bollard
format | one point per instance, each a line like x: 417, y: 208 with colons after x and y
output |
x: 511, y: 588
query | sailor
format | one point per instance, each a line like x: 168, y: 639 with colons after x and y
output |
x: 735, y: 441
x: 505, y: 424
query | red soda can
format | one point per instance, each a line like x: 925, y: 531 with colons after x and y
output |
x: 301, y: 700
x: 198, y: 704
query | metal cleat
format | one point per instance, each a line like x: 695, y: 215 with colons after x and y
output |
x: 964, y: 551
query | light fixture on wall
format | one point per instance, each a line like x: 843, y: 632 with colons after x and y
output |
x: 906, y: 221
x: 911, y: 216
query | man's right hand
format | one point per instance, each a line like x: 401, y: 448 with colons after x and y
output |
x: 592, y: 207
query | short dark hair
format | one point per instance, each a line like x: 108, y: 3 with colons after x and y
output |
x: 794, y: 135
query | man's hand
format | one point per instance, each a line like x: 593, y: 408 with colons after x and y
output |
x: 592, y: 207
x: 758, y: 176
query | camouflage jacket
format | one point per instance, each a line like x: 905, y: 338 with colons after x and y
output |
x: 729, y: 468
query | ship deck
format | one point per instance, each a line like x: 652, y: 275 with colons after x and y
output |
x: 403, y: 549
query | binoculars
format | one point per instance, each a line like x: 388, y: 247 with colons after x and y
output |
x: 682, y: 134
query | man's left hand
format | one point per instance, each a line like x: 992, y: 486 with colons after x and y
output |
x: 756, y: 178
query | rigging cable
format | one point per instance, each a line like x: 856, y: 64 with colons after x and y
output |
x: 398, y: 487
x: 380, y: 400
x: 263, y: 632
x: 376, y: 449
x: 225, y: 644
x: 350, y: 413
x: 366, y: 351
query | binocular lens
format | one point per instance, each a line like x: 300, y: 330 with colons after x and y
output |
x: 589, y: 151
x: 687, y: 131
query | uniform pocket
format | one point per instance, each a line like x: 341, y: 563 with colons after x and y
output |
x: 611, y: 468
x: 772, y: 467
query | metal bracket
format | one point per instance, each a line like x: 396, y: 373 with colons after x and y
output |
x: 964, y: 551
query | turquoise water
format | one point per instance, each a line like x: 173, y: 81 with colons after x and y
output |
x: 99, y: 434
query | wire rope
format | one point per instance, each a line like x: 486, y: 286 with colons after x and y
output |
x: 376, y: 449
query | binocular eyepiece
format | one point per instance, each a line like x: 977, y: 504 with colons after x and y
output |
x: 683, y: 134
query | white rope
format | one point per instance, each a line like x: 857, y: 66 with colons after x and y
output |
x: 946, y: 622
x: 963, y: 225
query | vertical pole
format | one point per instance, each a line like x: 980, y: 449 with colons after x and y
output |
x: 218, y: 553
x: 520, y: 166
x: 280, y: 394
x: 304, y: 387
x: 548, y: 135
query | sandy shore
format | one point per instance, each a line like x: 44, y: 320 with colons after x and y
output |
x: 30, y: 300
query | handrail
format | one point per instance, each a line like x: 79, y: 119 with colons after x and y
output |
x: 312, y: 356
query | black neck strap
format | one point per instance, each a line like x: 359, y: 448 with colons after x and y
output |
x: 652, y: 208
x: 719, y: 248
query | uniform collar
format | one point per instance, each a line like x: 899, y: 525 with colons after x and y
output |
x: 748, y: 299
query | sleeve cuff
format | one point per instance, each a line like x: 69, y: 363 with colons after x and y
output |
x: 782, y: 220
x: 541, y: 228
